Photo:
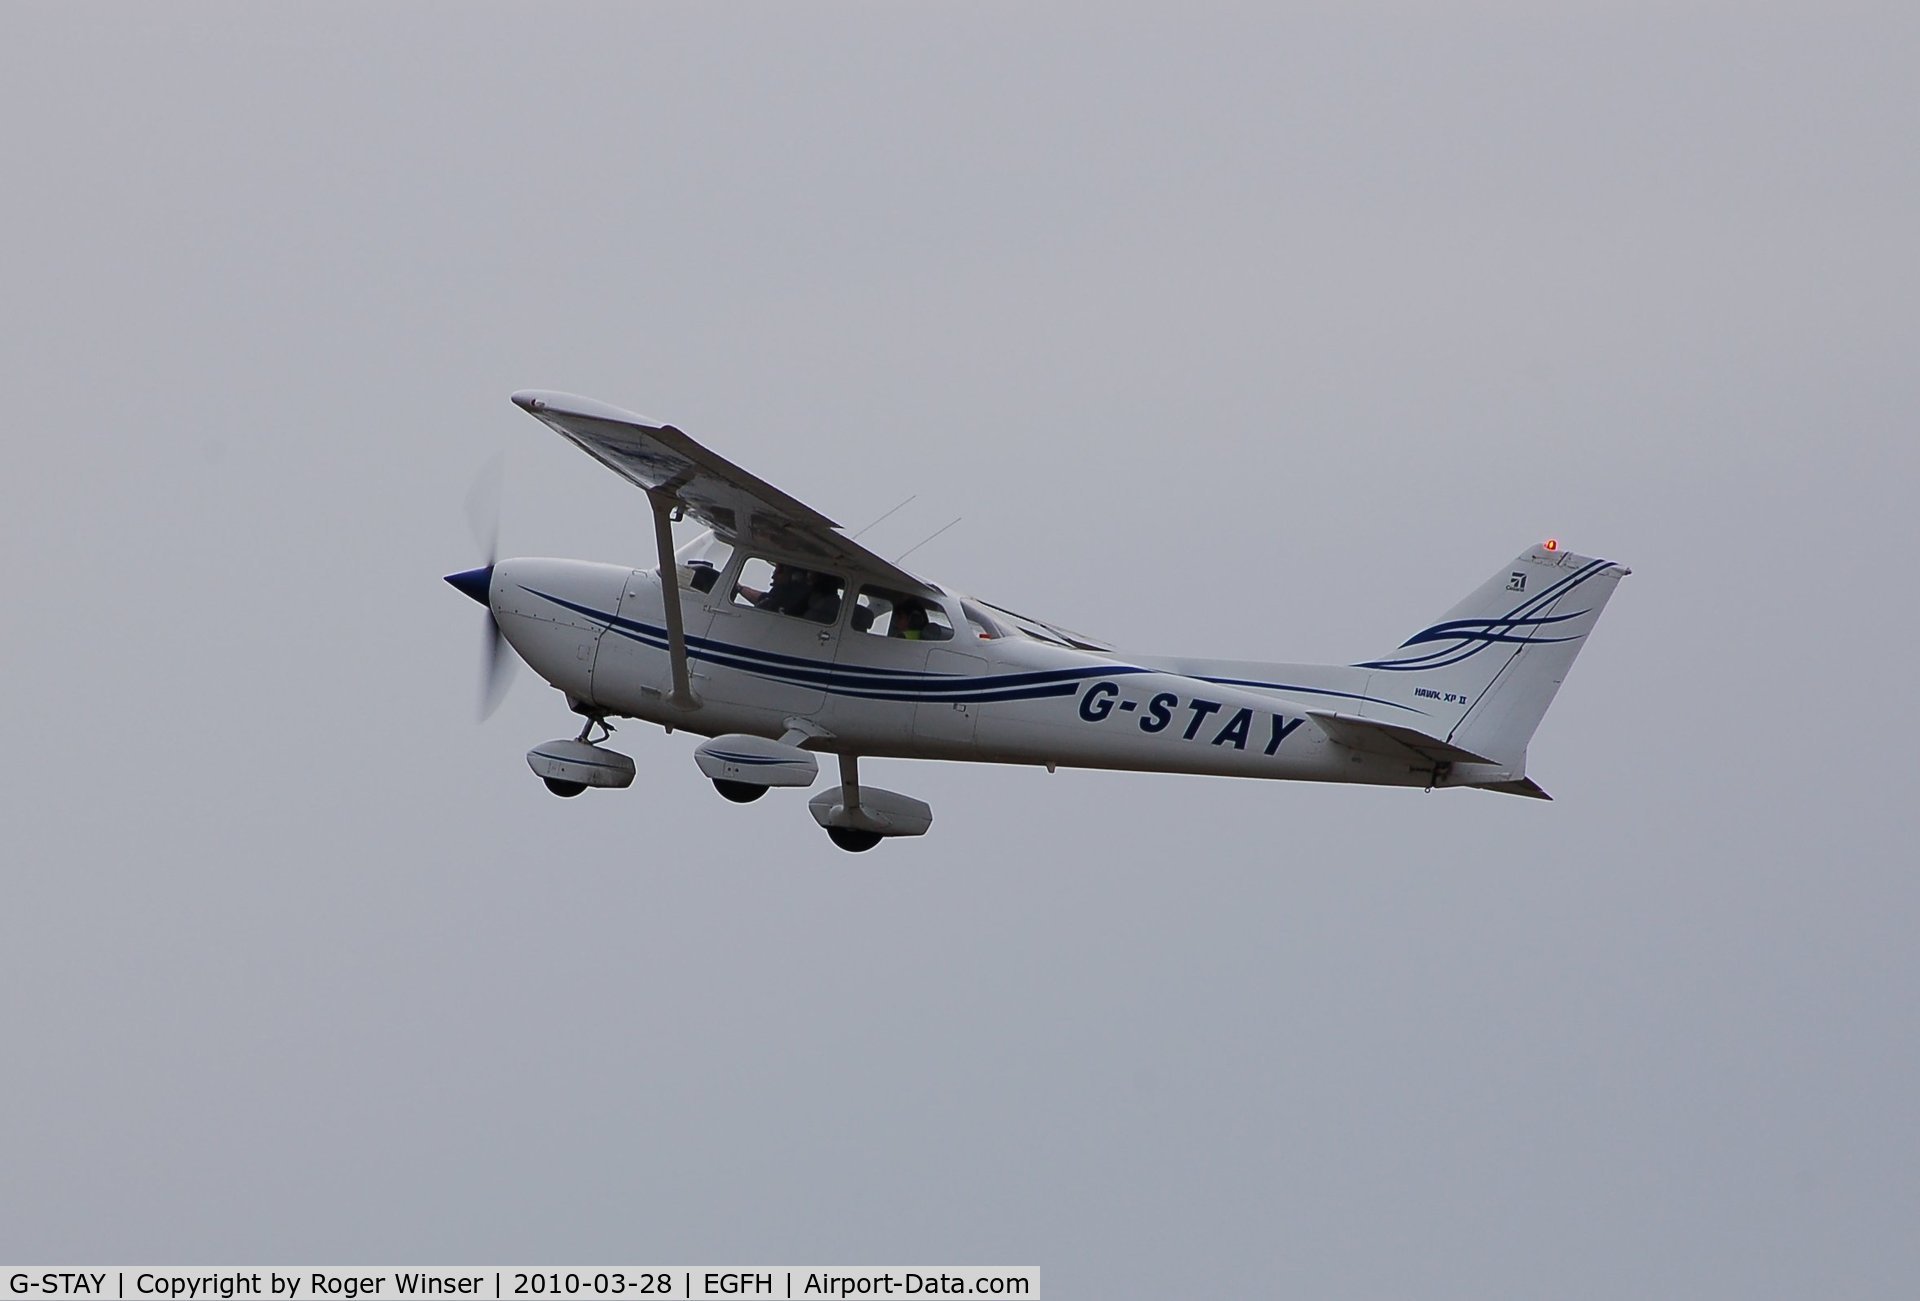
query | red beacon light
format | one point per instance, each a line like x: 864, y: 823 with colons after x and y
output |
x: 1551, y: 544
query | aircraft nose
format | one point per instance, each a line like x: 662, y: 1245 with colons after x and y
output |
x: 475, y: 583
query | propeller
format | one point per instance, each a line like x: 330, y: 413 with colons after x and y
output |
x: 497, y: 659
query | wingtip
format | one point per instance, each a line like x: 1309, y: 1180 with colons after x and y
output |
x: 551, y: 405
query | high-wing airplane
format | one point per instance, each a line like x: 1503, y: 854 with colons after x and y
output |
x: 779, y: 638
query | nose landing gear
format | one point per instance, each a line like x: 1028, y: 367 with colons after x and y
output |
x: 568, y: 767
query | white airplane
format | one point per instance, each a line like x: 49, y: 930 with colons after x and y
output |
x: 779, y: 638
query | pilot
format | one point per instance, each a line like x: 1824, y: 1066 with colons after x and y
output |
x: 786, y: 593
x: 822, y: 604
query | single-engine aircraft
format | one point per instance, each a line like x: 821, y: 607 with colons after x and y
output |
x: 778, y: 638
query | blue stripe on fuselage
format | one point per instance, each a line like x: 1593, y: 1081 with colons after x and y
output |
x: 879, y: 683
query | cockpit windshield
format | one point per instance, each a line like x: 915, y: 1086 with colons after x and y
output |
x: 983, y: 625
x: 703, y: 560
x: 991, y: 622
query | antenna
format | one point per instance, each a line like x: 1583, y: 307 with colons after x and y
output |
x: 930, y: 537
x: 882, y: 519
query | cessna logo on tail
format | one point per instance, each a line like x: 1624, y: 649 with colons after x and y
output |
x: 1102, y: 700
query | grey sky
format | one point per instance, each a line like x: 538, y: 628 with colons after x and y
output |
x: 1257, y: 332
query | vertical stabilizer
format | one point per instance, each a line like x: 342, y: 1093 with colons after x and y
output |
x: 1487, y: 670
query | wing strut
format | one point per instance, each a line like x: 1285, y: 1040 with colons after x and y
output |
x: 663, y: 504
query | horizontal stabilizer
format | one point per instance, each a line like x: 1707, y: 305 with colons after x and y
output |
x: 1371, y: 736
x: 1526, y: 786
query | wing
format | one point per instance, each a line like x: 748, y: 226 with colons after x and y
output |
x: 743, y: 508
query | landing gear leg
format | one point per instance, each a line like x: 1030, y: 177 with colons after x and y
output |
x: 593, y: 720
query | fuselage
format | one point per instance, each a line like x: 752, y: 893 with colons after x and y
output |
x: 598, y: 633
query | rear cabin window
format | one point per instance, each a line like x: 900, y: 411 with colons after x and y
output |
x: 790, y: 590
x: 881, y: 613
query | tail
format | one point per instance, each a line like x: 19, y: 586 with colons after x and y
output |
x: 1484, y: 675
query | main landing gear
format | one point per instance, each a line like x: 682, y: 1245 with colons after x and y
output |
x: 856, y: 817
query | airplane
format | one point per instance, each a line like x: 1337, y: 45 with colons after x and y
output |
x: 779, y: 638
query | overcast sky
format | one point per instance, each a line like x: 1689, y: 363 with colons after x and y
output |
x: 1261, y: 332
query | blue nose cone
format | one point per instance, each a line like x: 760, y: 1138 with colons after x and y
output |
x: 474, y: 582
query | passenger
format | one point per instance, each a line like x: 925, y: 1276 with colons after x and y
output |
x: 910, y: 621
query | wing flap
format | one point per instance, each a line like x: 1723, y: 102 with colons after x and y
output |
x: 741, y: 507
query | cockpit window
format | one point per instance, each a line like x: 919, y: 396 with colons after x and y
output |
x: 881, y: 613
x: 789, y: 589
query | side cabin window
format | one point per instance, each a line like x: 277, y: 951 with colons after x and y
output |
x: 881, y: 613
x: 790, y: 590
